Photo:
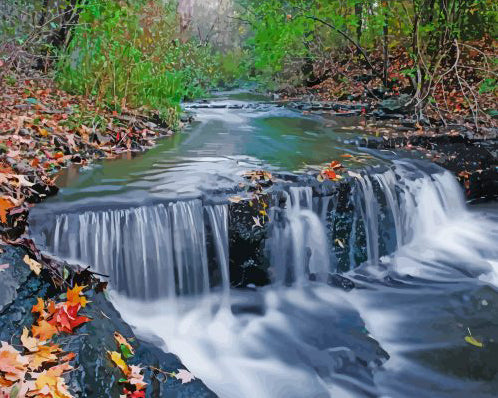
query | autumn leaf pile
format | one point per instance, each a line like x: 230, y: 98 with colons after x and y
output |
x: 36, y: 368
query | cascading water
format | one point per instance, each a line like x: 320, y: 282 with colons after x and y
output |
x: 298, y: 245
x: 149, y: 252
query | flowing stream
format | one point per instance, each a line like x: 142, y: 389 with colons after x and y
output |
x: 418, y: 269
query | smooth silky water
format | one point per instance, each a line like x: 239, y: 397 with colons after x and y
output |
x: 428, y: 276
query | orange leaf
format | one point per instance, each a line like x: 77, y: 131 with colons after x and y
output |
x: 39, y: 306
x: 44, y: 330
x: 5, y: 205
x: 74, y: 296
x: 330, y: 174
x: 335, y: 164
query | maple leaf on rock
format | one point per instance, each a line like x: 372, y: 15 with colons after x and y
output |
x: 66, y: 318
x: 50, y: 383
x: 30, y: 343
x: 75, y: 297
x: 185, y: 376
x: 44, y: 353
x: 39, y: 306
x: 125, y: 347
x: 44, y: 330
x: 136, y: 378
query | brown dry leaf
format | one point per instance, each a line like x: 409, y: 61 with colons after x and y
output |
x: 34, y: 265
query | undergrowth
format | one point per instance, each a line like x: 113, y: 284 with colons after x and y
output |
x: 129, y: 54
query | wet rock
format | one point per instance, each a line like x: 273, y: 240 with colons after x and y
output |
x: 13, y: 276
x: 341, y: 282
x: 395, y: 104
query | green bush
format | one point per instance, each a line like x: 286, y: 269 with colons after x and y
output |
x: 127, y: 53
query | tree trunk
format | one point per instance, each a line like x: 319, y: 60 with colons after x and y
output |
x: 386, y: 43
x: 185, y: 11
x: 358, y: 11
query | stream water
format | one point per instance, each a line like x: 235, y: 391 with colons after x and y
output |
x: 424, y: 266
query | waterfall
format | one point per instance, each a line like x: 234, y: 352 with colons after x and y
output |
x: 182, y: 248
x: 418, y: 201
x: 298, y: 244
x: 149, y: 252
x: 218, y: 217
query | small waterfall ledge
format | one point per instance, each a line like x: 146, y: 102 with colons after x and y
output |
x: 190, y: 248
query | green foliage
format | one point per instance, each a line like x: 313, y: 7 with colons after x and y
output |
x: 128, y: 53
x: 288, y: 32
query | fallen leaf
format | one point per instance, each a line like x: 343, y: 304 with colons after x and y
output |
x: 39, y: 306
x: 125, y: 347
x: 34, y: 265
x: 136, y: 378
x: 5, y: 205
x: 184, y: 375
x: 44, y: 330
x: 43, y: 354
x: 340, y: 243
x: 473, y: 341
x: 12, y: 363
x: 75, y: 297
x: 30, y: 343
x: 335, y: 165
x: 118, y: 361
x: 257, y: 222
x: 50, y: 383
x: 235, y: 199
x: 66, y: 318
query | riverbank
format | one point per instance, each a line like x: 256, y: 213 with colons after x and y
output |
x: 44, y: 129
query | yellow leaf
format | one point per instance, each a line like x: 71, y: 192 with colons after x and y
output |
x: 34, y: 265
x: 45, y: 353
x: 473, y: 341
x: 118, y: 361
